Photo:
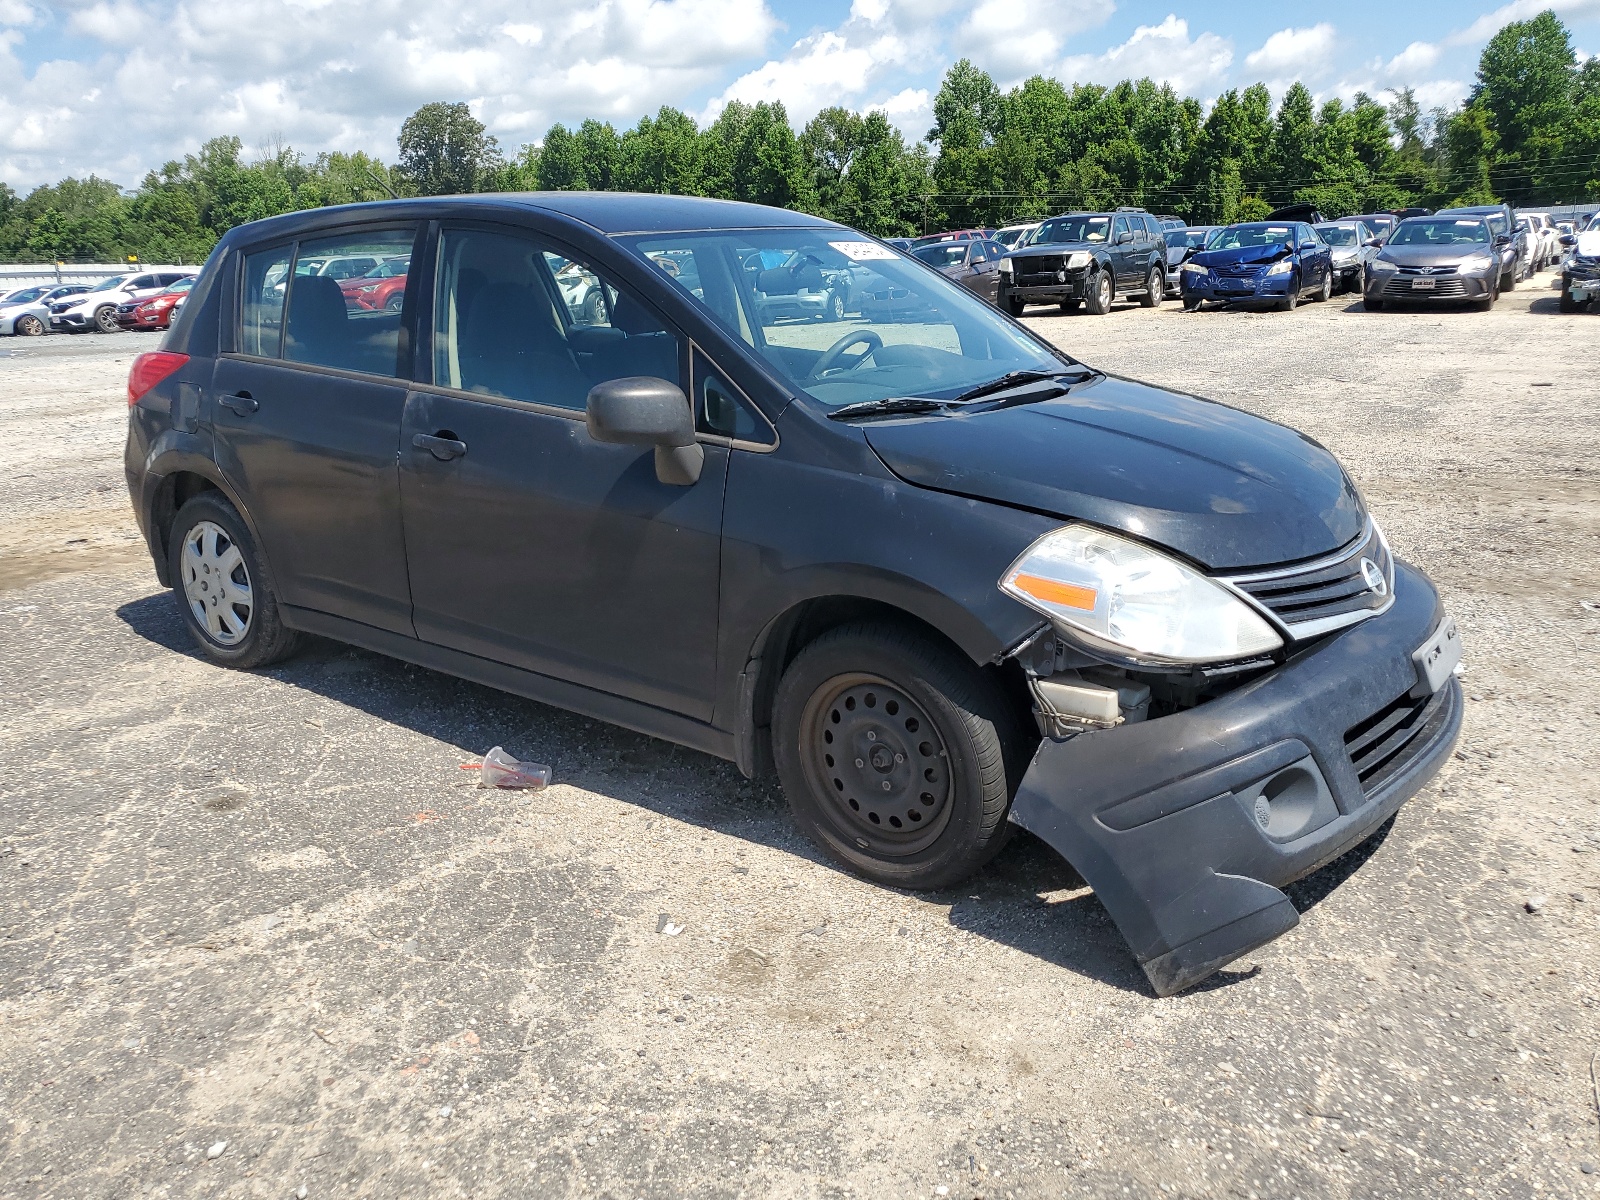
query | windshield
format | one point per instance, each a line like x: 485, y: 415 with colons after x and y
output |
x: 26, y: 295
x: 1195, y: 238
x: 1011, y: 237
x: 903, y: 330
x: 1340, y: 235
x: 1072, y: 229
x: 1237, y: 237
x: 107, y: 285
x: 1436, y: 231
x: 951, y: 254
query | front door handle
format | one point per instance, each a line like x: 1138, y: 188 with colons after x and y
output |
x: 442, y: 448
x: 240, y: 402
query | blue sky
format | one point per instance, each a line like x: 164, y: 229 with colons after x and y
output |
x: 118, y: 86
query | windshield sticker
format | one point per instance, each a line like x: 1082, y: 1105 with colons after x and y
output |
x: 1277, y: 229
x: 863, y: 251
x: 1470, y: 224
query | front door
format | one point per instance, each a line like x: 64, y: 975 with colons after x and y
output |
x: 306, y: 416
x: 530, y: 543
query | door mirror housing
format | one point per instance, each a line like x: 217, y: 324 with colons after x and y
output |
x: 1374, y: 243
x: 1124, y: 237
x: 641, y: 410
x: 1567, y: 239
x: 1502, y: 240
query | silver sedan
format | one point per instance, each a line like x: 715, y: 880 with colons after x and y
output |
x: 1437, y: 258
x: 26, y: 312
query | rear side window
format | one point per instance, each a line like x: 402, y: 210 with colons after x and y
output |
x: 516, y: 318
x: 330, y: 321
x: 261, y: 309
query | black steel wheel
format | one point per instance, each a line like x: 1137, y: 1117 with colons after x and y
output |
x: 898, y: 756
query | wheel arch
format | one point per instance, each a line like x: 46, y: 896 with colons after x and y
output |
x: 789, y: 632
x: 173, y: 482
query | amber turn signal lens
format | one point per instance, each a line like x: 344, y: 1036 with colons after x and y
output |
x: 1067, y: 595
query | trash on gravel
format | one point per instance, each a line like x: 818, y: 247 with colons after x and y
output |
x: 502, y: 771
x: 664, y: 924
x: 216, y: 1149
x: 1534, y: 903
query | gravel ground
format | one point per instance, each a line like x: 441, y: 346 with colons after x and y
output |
x: 259, y: 933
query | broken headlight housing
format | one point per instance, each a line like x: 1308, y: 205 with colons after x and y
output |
x: 1122, y: 598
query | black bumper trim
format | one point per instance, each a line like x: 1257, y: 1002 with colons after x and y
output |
x: 1146, y: 812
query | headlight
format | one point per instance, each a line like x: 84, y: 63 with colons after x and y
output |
x: 1195, y: 269
x: 1120, y: 596
x: 369, y: 287
x: 1078, y: 258
x: 1005, y: 266
x: 1282, y: 267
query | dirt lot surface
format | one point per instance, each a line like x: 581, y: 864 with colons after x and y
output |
x: 259, y: 933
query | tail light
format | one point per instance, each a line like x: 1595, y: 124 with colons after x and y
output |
x: 150, y: 369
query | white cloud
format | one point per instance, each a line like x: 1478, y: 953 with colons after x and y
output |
x: 1294, y: 53
x: 17, y: 12
x: 1013, y: 39
x: 1162, y: 52
x: 819, y: 71
x: 910, y: 111
x: 1490, y: 23
x: 342, y: 77
x: 1412, y: 61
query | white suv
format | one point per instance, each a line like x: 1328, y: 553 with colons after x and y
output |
x: 97, y: 308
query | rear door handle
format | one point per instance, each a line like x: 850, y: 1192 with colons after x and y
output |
x: 442, y: 448
x: 241, y: 403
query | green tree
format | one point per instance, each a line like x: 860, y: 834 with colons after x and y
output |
x: 445, y: 150
x: 1526, y: 77
x: 1294, y: 142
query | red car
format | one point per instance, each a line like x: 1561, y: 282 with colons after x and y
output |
x: 153, y: 312
x: 383, y: 287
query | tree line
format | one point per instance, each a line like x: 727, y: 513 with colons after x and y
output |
x: 1528, y: 133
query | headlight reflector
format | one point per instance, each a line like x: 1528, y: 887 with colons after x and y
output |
x: 1078, y: 258
x: 1282, y: 267
x: 1005, y: 266
x: 1121, y: 596
x: 1195, y: 269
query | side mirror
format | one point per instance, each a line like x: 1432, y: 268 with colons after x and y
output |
x: 1124, y: 237
x: 1374, y: 243
x: 1189, y: 252
x: 1502, y: 240
x: 641, y: 410
x: 1567, y: 239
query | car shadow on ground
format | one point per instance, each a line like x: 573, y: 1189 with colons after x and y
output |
x: 1028, y: 898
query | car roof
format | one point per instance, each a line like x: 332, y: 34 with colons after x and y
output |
x: 606, y: 212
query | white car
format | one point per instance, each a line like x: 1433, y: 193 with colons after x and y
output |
x: 26, y: 311
x: 1549, y: 248
x: 1015, y: 237
x: 97, y: 307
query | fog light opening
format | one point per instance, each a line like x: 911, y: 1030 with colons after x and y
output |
x: 1287, y: 802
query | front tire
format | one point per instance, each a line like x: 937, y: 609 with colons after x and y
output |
x: 1568, y: 304
x: 1155, y: 288
x: 224, y: 587
x: 1014, y: 306
x: 1102, y: 289
x: 1372, y: 303
x: 835, y: 307
x: 1292, y: 301
x: 1191, y: 303
x: 893, y: 753
x: 105, y: 319
x: 29, y: 325
x: 1508, y: 281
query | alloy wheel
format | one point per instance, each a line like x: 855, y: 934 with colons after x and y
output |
x: 880, y: 763
x: 106, y: 319
x: 216, y: 583
x: 29, y: 326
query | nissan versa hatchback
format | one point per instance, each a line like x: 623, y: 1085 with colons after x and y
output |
x: 938, y: 576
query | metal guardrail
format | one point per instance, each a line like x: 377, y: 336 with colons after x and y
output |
x: 13, y: 275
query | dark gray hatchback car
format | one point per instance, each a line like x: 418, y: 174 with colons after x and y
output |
x: 939, y: 576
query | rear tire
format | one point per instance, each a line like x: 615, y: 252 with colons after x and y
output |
x: 1326, y: 291
x: 1102, y: 290
x: 1508, y: 281
x: 236, y: 590
x: 1014, y: 306
x: 28, y: 325
x: 896, y: 755
x: 1070, y: 306
x: 1155, y: 288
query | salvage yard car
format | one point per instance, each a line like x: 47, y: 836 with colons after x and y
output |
x: 1353, y: 244
x: 1087, y: 259
x: 1277, y: 262
x: 937, y: 575
x: 1438, y: 258
x: 26, y: 311
x: 97, y: 308
x: 1580, y: 270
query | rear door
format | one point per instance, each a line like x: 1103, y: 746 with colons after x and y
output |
x: 529, y: 542
x: 306, y: 405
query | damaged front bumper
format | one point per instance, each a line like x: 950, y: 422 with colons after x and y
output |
x: 1187, y: 826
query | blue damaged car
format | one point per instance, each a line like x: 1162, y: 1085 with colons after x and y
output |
x: 1276, y: 262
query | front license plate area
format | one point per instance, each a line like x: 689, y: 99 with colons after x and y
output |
x: 1421, y: 285
x: 1437, y: 657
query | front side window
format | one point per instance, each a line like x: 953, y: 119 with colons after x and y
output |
x: 514, y: 318
x: 1120, y: 228
x: 329, y: 322
x: 842, y: 318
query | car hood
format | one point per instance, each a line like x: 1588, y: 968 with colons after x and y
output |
x: 1427, y: 256
x: 1243, y: 256
x: 1588, y: 244
x: 1057, y: 248
x: 1220, y: 486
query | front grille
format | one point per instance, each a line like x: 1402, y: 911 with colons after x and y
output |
x: 1038, y: 270
x: 1401, y: 289
x: 1317, y: 597
x: 1249, y: 273
x: 1434, y: 271
x: 1384, y: 744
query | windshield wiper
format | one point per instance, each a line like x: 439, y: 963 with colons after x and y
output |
x: 1012, y: 379
x: 888, y: 406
